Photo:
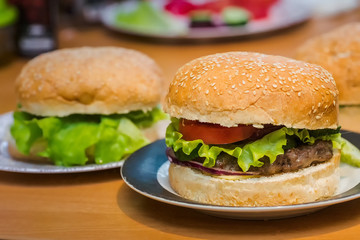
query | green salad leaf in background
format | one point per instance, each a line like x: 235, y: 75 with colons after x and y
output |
x: 78, y: 139
x: 147, y: 19
x: 249, y: 154
x: 8, y: 14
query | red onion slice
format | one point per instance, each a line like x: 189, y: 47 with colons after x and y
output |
x: 199, y: 166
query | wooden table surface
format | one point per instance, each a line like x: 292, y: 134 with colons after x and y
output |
x: 100, y: 205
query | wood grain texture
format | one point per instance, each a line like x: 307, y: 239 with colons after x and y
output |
x: 100, y: 206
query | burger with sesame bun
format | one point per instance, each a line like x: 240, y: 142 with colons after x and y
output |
x: 250, y: 129
x: 86, y: 105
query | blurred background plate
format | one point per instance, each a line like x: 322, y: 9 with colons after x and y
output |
x: 282, y: 15
x: 8, y: 164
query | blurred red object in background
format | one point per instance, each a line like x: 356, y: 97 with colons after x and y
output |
x: 258, y: 8
x: 180, y: 7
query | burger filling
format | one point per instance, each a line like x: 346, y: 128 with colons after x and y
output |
x: 246, y: 150
x: 79, y: 139
x: 293, y: 159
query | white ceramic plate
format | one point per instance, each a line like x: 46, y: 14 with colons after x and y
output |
x: 12, y: 165
x: 151, y: 164
x: 284, y: 15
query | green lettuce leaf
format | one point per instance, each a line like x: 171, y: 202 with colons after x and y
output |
x: 146, y: 119
x: 25, y: 132
x: 145, y: 17
x: 271, y: 145
x: 78, y: 139
x: 67, y: 146
x: 306, y: 136
x: 350, y: 154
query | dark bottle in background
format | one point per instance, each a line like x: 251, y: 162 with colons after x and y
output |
x: 36, y: 30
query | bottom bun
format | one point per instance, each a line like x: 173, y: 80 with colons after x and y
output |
x: 32, y: 157
x: 305, y: 185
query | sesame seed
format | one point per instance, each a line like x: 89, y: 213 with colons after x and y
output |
x: 318, y: 117
x: 274, y: 85
x: 299, y: 94
x: 254, y: 92
x: 207, y: 91
x: 233, y: 86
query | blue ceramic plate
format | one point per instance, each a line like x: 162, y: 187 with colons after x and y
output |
x: 150, y: 163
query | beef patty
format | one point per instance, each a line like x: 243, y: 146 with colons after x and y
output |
x: 292, y: 159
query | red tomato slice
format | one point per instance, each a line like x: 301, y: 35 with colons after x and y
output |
x: 214, y: 133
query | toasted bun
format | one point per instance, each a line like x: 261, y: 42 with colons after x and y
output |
x: 306, y: 185
x: 339, y: 52
x: 88, y: 80
x: 251, y: 88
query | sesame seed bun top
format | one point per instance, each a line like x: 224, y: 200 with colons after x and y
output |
x: 251, y: 88
x: 102, y: 80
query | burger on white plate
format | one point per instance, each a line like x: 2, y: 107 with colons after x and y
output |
x: 250, y: 129
x: 86, y: 105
